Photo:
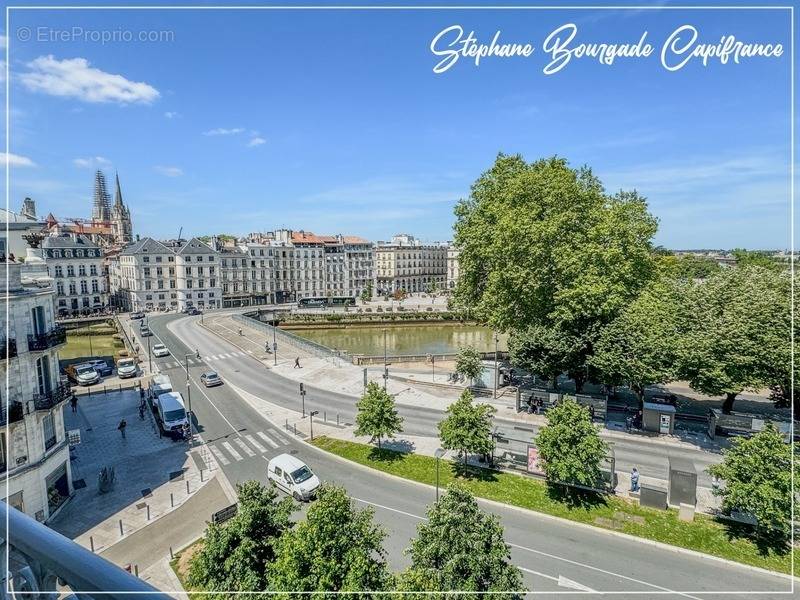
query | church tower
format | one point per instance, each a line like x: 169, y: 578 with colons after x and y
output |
x: 121, y: 218
x: 101, y: 208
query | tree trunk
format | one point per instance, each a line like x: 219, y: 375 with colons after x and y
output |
x: 379, y: 442
x: 555, y: 381
x: 639, y: 390
x: 579, y: 381
x: 727, y: 405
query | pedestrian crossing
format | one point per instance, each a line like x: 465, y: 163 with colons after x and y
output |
x: 246, y: 446
x: 194, y: 362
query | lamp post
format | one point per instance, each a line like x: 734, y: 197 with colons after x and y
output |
x: 149, y: 356
x: 433, y: 368
x: 303, y: 399
x: 496, y: 340
x: 311, y: 415
x: 385, y: 367
x: 89, y: 330
x: 274, y: 342
x: 438, y: 454
x: 189, y: 396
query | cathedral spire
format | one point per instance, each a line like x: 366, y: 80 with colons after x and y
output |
x: 101, y: 208
x: 118, y: 193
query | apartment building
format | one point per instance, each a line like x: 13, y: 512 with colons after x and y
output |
x: 452, y: 267
x: 77, y: 266
x: 406, y: 264
x: 34, y: 450
x: 198, y: 275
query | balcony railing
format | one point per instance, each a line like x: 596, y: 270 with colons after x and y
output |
x: 11, y: 413
x: 48, y: 400
x: 39, y: 559
x: 8, y: 347
x: 43, y: 341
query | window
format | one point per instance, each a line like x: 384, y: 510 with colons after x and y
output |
x: 59, y: 271
x: 93, y: 270
x: 43, y: 379
x: 146, y: 259
x: 95, y: 289
x: 70, y: 271
x: 84, y: 287
x: 49, y: 431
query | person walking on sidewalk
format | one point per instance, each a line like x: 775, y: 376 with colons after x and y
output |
x: 297, y: 363
x: 73, y: 402
x: 122, y: 425
x: 634, y: 479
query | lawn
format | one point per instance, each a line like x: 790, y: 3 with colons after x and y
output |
x: 705, y: 534
x: 101, y: 343
x: 180, y: 565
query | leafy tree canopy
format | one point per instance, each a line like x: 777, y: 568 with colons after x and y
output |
x: 467, y: 427
x: 757, y: 476
x: 548, y: 351
x: 750, y: 258
x: 377, y: 416
x: 687, y: 266
x: 570, y: 446
x: 468, y: 363
x: 460, y: 548
x: 235, y: 554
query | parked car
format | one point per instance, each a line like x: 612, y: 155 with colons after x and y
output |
x: 160, y: 350
x: 210, y: 379
x: 291, y: 475
x: 193, y: 311
x: 127, y: 367
x: 137, y: 315
x: 145, y: 332
x: 83, y: 374
x: 102, y: 367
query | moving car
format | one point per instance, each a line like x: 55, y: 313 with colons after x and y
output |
x: 145, y: 332
x: 83, y: 374
x: 137, y: 315
x: 102, y: 367
x: 171, y: 414
x: 160, y: 350
x: 291, y: 475
x: 210, y: 379
x: 126, y: 367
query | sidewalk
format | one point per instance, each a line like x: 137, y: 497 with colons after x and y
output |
x: 338, y: 375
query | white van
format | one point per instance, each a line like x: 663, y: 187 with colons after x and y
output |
x: 172, y: 414
x: 160, y: 384
x: 293, y: 477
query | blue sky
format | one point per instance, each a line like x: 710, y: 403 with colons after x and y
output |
x: 335, y: 121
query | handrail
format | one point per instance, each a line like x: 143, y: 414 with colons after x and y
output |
x: 58, y: 557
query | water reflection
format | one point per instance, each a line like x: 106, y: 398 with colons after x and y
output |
x: 412, y: 339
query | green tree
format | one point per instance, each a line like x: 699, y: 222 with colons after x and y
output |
x: 641, y: 346
x: 547, y: 351
x: 751, y: 258
x: 366, y: 293
x: 738, y: 332
x: 336, y: 549
x: 542, y: 244
x: 687, y: 266
x: 235, y: 554
x: 460, y: 548
x: 467, y: 427
x: 377, y: 416
x: 757, y: 476
x: 570, y: 446
x: 468, y: 363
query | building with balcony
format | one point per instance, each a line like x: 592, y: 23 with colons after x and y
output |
x: 452, y: 267
x: 406, y: 264
x: 77, y: 267
x: 34, y: 450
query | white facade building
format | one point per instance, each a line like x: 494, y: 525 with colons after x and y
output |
x: 452, y: 268
x: 77, y: 267
x: 406, y: 264
x: 34, y: 451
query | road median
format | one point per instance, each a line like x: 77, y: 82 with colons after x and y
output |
x: 705, y: 534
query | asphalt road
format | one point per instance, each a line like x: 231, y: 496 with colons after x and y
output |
x: 554, y: 556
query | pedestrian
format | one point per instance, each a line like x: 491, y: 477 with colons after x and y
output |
x: 122, y: 425
x: 141, y: 395
x: 240, y: 331
x: 634, y: 479
x: 297, y: 363
x: 266, y: 347
x: 73, y: 402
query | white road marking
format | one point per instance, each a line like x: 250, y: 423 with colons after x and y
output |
x: 267, y: 439
x: 254, y: 443
x: 281, y: 439
x: 553, y: 556
x: 220, y: 456
x: 233, y: 452
x: 245, y: 448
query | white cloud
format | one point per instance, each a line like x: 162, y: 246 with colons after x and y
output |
x: 91, y: 162
x: 169, y: 171
x: 256, y: 141
x: 15, y: 160
x: 171, y: 114
x: 75, y: 78
x: 223, y: 131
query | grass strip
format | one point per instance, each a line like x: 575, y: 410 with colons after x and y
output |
x: 705, y: 534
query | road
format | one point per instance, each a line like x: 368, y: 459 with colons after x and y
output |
x: 555, y: 556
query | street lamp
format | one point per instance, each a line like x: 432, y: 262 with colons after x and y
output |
x: 496, y: 340
x: 385, y: 368
x: 311, y: 414
x: 89, y: 330
x: 438, y: 454
x: 188, y: 394
x: 274, y: 342
x: 149, y: 357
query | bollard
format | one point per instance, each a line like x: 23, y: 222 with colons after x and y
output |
x: 171, y: 555
x: 136, y: 570
x: 171, y: 500
x: 120, y: 527
x: 324, y: 416
x: 148, y: 511
x: 286, y: 425
x: 337, y: 419
x: 91, y: 543
x: 201, y: 476
x: 295, y: 428
x: 187, y: 486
